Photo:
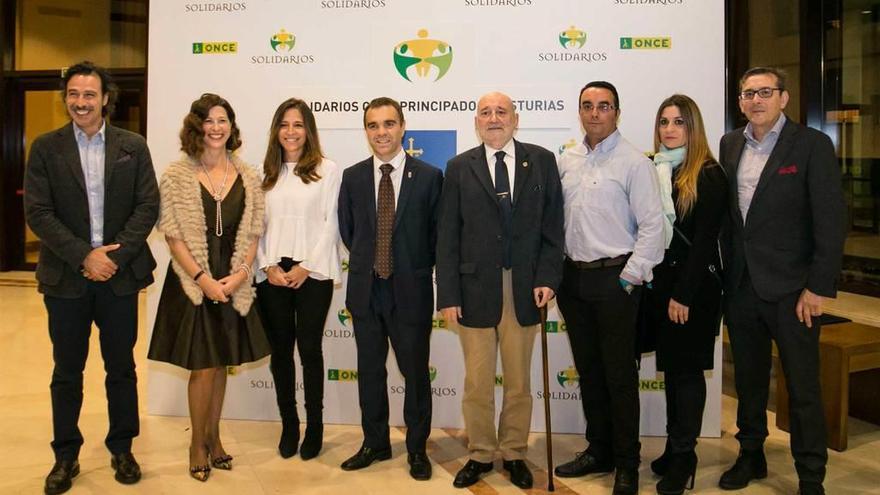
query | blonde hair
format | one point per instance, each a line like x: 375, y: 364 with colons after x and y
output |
x: 698, y: 152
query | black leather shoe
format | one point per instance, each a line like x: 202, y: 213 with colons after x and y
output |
x: 312, y: 442
x: 519, y: 473
x: 419, y: 466
x: 470, y: 473
x: 626, y: 482
x: 60, y: 478
x: 810, y: 488
x: 583, y: 463
x: 365, y: 457
x: 127, y: 470
x: 680, y: 474
x: 750, y: 465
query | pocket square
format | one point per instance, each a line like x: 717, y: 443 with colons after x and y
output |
x: 123, y: 158
x: 791, y: 169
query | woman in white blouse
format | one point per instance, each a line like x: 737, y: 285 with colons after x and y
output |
x: 299, y: 261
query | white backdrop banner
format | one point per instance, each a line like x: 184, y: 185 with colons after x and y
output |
x: 436, y: 57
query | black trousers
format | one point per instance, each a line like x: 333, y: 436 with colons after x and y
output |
x: 685, y: 401
x: 70, y: 326
x: 601, y: 321
x: 295, y: 318
x: 411, y: 342
x: 752, y: 323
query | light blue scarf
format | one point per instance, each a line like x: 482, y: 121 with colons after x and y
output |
x: 667, y: 160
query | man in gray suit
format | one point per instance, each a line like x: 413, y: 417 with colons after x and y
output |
x: 91, y: 197
x: 499, y: 259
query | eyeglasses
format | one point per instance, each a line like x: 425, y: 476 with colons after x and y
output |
x: 603, y: 107
x: 764, y: 93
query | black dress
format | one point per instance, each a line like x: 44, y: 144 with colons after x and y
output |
x: 208, y: 335
x: 684, y: 275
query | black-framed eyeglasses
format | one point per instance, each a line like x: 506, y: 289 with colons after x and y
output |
x: 603, y: 107
x: 764, y: 93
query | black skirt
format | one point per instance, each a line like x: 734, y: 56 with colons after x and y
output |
x: 208, y: 335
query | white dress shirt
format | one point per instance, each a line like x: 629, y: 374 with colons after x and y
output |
x: 612, y: 206
x: 752, y: 162
x: 509, y: 160
x: 301, y: 223
x: 91, y: 157
x: 397, y: 162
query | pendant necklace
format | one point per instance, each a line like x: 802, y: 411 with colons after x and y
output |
x: 217, y: 194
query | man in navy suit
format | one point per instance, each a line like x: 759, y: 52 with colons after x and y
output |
x: 782, y: 249
x: 91, y: 197
x: 387, y: 219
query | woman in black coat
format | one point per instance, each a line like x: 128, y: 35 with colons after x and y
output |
x: 685, y: 302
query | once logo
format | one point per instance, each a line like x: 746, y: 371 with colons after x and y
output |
x: 422, y: 54
x: 335, y: 375
x: 657, y: 43
x: 568, y: 377
x: 499, y: 380
x: 214, y: 47
x: 282, y: 41
x: 572, y: 38
x: 554, y: 326
x: 652, y: 385
x: 432, y: 373
x: 344, y: 262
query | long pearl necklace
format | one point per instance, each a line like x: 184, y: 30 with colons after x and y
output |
x: 217, y: 194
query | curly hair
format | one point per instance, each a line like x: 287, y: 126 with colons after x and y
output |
x: 192, y: 135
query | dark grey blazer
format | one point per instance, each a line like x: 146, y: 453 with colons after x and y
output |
x: 794, y: 234
x: 57, y: 210
x: 469, y: 244
x: 413, y: 241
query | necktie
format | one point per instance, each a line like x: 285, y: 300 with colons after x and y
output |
x: 384, y: 222
x: 502, y: 190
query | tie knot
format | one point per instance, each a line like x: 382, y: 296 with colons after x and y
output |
x: 386, y: 168
x: 499, y: 155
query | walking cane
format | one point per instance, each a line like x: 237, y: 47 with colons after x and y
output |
x: 543, y: 311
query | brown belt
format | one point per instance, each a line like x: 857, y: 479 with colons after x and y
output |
x: 600, y: 263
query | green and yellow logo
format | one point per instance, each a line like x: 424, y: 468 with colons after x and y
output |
x: 214, y: 47
x: 568, y: 377
x: 655, y: 43
x: 432, y: 373
x: 335, y: 375
x: 343, y: 316
x: 571, y: 143
x: 572, y: 38
x: 499, y: 380
x: 554, y: 326
x: 345, y: 265
x: 422, y: 54
x: 439, y: 323
x: 282, y: 41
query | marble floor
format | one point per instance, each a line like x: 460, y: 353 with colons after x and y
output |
x: 25, y: 432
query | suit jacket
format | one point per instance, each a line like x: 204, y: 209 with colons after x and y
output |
x: 413, y: 238
x: 470, y: 239
x: 57, y: 210
x: 794, y: 233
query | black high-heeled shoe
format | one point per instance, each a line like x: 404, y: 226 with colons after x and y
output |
x: 200, y: 472
x: 661, y: 464
x: 680, y: 474
x: 223, y: 462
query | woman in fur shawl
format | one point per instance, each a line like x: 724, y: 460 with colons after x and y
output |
x: 212, y: 217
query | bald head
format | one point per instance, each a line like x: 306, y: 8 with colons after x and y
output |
x: 496, y: 119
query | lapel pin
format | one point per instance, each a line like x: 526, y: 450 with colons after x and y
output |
x: 525, y: 164
x: 409, y: 175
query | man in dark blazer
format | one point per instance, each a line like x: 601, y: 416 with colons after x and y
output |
x: 387, y: 220
x: 92, y: 199
x: 499, y: 259
x: 782, y: 249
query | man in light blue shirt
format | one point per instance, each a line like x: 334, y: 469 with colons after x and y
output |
x: 613, y: 239
x: 92, y: 199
